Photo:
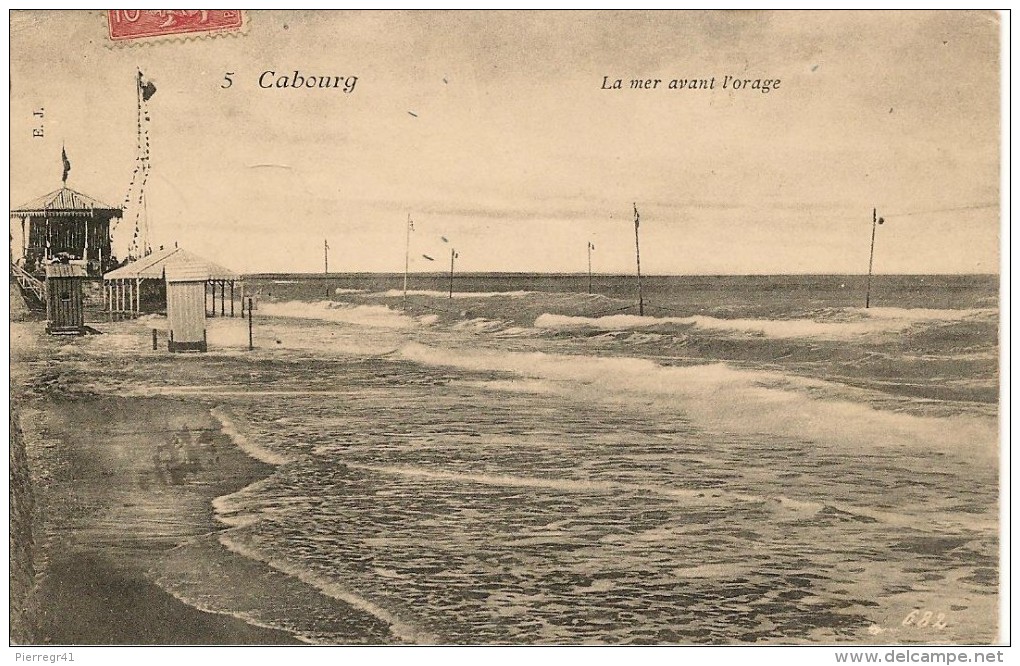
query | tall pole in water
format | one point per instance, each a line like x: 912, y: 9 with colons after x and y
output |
x: 637, y: 247
x: 590, y: 247
x: 453, y: 255
x: 407, y: 256
x: 875, y: 221
x: 325, y: 258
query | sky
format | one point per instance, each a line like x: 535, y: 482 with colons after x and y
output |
x: 492, y: 129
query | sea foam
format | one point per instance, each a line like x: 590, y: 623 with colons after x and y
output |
x: 722, y: 398
x: 399, y: 293
x: 374, y: 316
x: 230, y: 428
x: 848, y: 324
x: 399, y: 627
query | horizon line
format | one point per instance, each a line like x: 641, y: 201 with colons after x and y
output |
x: 446, y: 274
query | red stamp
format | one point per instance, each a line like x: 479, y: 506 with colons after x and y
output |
x: 137, y: 23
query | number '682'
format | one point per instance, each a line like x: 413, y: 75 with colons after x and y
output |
x: 925, y: 618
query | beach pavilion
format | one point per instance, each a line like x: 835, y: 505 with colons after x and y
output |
x: 140, y: 286
x: 63, y: 222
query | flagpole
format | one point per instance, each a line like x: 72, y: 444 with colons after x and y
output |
x: 453, y: 255
x: 325, y: 250
x: 138, y: 142
x: 871, y: 260
x: 589, y: 268
x: 407, y: 257
x: 138, y: 99
x: 637, y: 247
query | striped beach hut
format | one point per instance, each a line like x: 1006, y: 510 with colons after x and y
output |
x: 65, y: 310
x: 186, y: 307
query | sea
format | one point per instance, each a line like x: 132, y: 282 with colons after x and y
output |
x: 514, y: 459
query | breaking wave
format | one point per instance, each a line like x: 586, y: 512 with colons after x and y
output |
x: 374, y: 316
x: 845, y: 324
x: 719, y: 397
x: 399, y: 293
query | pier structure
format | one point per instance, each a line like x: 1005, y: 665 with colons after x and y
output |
x: 140, y: 286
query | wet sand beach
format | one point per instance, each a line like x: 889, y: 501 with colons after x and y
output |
x: 117, y: 486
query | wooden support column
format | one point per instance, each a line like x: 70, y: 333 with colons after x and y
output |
x: 205, y: 297
x: 138, y: 297
x: 231, y: 298
x: 223, y: 295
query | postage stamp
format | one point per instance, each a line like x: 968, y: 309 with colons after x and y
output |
x: 129, y: 24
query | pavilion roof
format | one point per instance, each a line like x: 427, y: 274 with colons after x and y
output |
x: 64, y: 201
x: 153, y: 267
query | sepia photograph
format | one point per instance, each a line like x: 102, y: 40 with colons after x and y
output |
x: 508, y: 328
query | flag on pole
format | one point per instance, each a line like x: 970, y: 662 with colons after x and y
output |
x: 325, y: 244
x: 147, y: 88
x: 410, y: 224
x: 591, y: 246
x: 637, y: 217
x: 67, y: 164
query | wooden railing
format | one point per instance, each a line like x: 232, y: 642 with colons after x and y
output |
x: 29, y: 282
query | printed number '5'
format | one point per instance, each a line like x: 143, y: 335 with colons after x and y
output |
x: 227, y: 80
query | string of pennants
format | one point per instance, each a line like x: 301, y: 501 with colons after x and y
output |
x: 134, y: 200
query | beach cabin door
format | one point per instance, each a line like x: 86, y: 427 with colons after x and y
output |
x: 185, y: 310
x: 65, y: 309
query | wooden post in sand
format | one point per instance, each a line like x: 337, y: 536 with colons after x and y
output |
x: 251, y: 342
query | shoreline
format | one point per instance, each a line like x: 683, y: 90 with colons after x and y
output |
x: 115, y: 488
x: 106, y: 522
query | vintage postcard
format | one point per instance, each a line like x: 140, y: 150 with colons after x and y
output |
x: 506, y: 328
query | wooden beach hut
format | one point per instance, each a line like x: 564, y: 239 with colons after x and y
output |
x: 65, y: 310
x: 141, y: 287
x: 186, y: 307
x: 63, y: 222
